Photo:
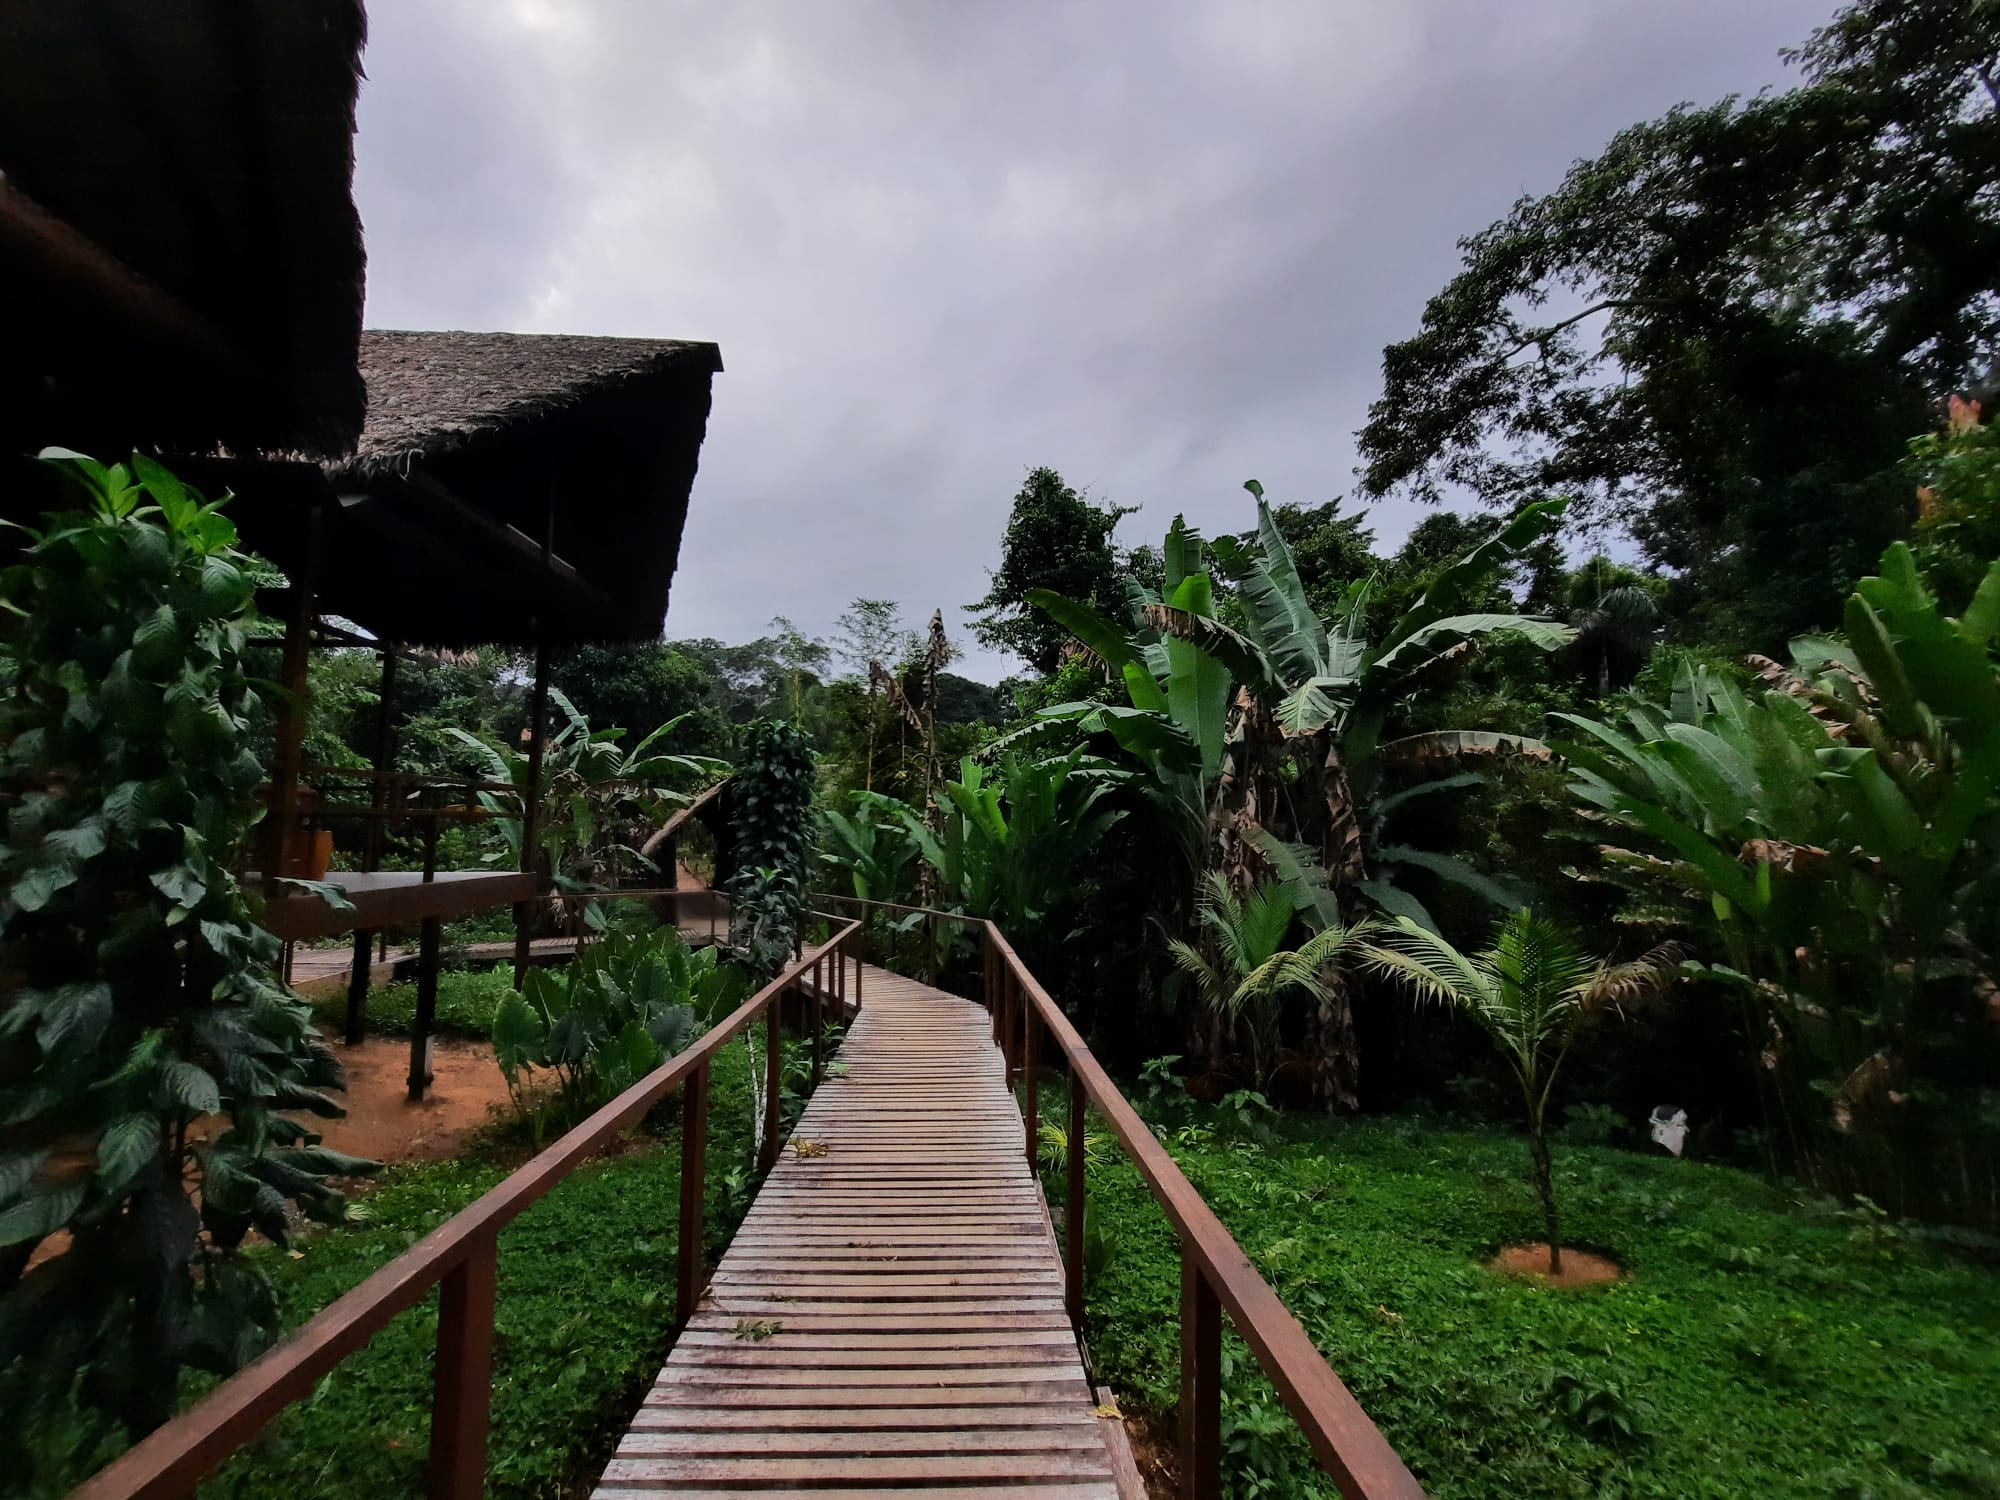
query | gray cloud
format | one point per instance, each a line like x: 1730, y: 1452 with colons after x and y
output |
x: 1159, y: 246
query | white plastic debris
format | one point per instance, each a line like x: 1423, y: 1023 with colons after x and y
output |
x: 1670, y: 1127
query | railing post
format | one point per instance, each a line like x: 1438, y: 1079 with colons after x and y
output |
x: 819, y: 1016
x: 1031, y: 1036
x: 463, y: 1398
x: 689, y: 1268
x: 1009, y: 1048
x: 774, y: 1057
x: 1201, y: 1383
x: 1074, y: 1205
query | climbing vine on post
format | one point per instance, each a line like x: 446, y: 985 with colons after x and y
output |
x: 773, y: 843
x: 145, y: 1048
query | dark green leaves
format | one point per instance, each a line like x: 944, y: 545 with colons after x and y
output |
x: 130, y: 733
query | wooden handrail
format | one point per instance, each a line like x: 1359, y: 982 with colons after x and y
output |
x: 1214, y: 1269
x: 459, y: 1256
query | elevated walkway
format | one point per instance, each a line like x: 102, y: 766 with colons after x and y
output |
x: 889, y: 1319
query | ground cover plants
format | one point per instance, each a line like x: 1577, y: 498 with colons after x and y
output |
x: 1763, y: 1341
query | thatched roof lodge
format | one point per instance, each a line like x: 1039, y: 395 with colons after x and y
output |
x: 181, y: 271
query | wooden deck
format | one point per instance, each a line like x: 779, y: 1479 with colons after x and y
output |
x: 889, y: 1319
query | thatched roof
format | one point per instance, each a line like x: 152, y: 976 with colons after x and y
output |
x: 180, y: 258
x: 587, y: 445
x: 429, y: 393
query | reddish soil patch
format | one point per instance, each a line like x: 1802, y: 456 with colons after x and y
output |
x: 382, y: 1124
x: 1580, y: 1267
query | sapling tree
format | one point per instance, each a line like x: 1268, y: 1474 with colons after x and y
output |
x: 1253, y: 971
x: 1532, y: 991
x: 148, y: 1056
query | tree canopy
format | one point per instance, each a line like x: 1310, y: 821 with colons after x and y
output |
x: 1055, y: 540
x: 1720, y: 331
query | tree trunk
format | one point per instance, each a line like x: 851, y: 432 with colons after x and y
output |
x: 1334, y: 1057
x: 1538, y: 1151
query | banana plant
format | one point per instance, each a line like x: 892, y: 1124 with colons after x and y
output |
x: 1011, y: 846
x: 1841, y: 830
x: 1174, y: 726
x: 871, y: 847
x: 1323, y: 693
x: 593, y: 789
x: 1316, y: 695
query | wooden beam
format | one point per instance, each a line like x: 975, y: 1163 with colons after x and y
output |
x: 71, y: 265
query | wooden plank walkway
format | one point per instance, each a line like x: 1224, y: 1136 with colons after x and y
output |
x: 889, y: 1319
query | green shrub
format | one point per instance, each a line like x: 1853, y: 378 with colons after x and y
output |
x: 605, y: 1020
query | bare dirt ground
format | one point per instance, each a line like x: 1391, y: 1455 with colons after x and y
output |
x: 1580, y: 1267
x: 466, y: 1094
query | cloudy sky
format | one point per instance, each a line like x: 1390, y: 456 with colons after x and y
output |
x: 1158, y: 244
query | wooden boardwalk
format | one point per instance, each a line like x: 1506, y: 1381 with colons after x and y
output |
x: 889, y: 1319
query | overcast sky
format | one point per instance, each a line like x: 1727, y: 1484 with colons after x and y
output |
x: 1156, y: 244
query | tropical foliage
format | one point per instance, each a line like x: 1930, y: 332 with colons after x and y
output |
x: 598, y: 799
x: 1531, y: 991
x: 771, y: 861
x: 602, y: 1022
x: 1721, y: 329
x: 1253, y: 972
x: 1265, y: 745
x: 1838, y: 829
x: 149, y: 1059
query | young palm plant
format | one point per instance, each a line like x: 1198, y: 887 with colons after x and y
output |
x: 1256, y: 972
x: 1532, y: 991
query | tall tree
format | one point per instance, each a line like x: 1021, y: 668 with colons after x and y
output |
x: 640, y: 687
x: 872, y: 630
x: 1056, y: 540
x: 1719, y: 331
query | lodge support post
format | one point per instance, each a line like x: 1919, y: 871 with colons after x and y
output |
x: 1201, y: 1383
x: 1075, y: 1204
x: 432, y: 933
x: 531, y: 809
x: 462, y: 1405
x: 819, y: 979
x: 289, y: 732
x: 689, y: 1268
x: 371, y: 859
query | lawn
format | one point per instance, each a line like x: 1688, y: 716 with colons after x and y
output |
x: 465, y: 1002
x: 1761, y: 1345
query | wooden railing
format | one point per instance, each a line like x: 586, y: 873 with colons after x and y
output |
x: 460, y: 1258
x: 1216, y: 1276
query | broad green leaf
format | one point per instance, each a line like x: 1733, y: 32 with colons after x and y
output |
x: 127, y: 1145
x: 40, y: 1215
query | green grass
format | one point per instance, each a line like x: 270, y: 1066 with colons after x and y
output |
x: 465, y: 1002
x: 584, y: 1311
x: 1758, y: 1347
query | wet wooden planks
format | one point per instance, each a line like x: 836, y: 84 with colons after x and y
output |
x: 889, y: 1318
